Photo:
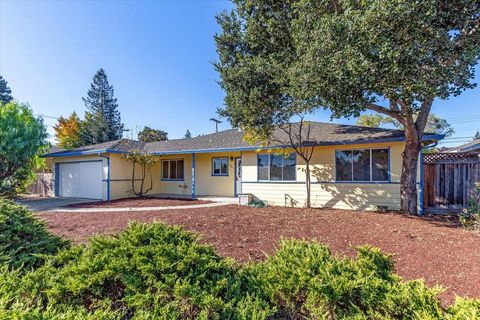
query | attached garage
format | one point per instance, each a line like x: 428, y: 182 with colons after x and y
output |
x: 81, y: 179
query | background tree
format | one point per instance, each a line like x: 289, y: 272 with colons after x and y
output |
x: 5, y: 92
x: 151, y: 135
x: 434, y: 124
x: 102, y: 120
x: 68, y: 132
x: 19, y: 148
x: 477, y: 136
x: 187, y: 135
x: 395, y: 57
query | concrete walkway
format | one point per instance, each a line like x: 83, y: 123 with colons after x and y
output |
x: 130, y: 209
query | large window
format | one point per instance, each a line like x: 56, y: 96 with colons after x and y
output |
x: 363, y: 165
x: 219, y: 166
x: 276, y: 167
x: 172, y: 169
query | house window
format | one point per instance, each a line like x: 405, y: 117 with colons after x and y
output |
x: 276, y: 167
x: 219, y: 166
x: 172, y: 169
x: 362, y: 165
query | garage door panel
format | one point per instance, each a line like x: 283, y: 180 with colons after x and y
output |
x: 81, y: 179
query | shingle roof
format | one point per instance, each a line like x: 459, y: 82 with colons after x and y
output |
x: 321, y: 134
x: 232, y: 139
x: 471, y: 146
x: 228, y: 139
x: 120, y: 145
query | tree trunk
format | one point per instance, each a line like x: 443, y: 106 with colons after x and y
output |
x: 308, y: 184
x: 133, y: 178
x: 408, y: 182
x: 141, y: 194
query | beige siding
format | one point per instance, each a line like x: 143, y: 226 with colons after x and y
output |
x: 205, y: 183
x: 215, y: 185
x: 121, y: 177
x: 365, y: 196
x: 325, y: 191
x: 177, y: 187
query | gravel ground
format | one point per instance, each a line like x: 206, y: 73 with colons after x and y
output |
x: 138, y: 202
x: 435, y: 249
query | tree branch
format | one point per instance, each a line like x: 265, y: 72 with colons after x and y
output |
x: 389, y: 112
x: 422, y: 117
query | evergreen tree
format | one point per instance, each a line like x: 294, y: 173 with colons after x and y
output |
x: 102, y: 120
x: 187, y: 135
x: 5, y: 92
x: 477, y: 136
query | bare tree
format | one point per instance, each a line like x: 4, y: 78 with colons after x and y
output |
x: 139, y: 157
x: 297, y: 136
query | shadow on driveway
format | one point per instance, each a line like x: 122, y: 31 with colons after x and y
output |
x: 47, y: 204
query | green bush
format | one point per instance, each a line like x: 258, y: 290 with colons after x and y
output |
x: 157, y: 272
x: 470, y: 217
x: 24, y: 240
x: 464, y: 309
x: 304, y: 279
x: 147, y: 271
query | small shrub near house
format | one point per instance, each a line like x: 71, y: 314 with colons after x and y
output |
x: 24, y: 240
x: 159, y: 272
x: 470, y: 217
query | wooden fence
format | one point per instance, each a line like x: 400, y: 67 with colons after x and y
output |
x: 449, y: 180
x: 43, y: 186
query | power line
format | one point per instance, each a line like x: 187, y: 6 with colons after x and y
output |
x: 46, y: 116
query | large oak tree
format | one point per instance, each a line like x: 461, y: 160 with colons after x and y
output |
x: 278, y: 59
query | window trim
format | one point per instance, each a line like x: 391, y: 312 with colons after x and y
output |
x: 270, y: 155
x: 220, y: 174
x: 371, y: 162
x: 169, y: 161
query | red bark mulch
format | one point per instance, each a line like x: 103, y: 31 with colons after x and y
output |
x: 434, y: 249
x: 138, y: 203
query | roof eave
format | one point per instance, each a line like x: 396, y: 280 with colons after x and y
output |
x: 79, y: 153
x: 428, y: 137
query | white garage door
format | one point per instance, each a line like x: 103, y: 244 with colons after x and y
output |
x: 80, y: 179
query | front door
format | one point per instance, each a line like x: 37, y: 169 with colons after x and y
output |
x: 238, y: 176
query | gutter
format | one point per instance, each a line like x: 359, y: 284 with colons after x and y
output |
x: 108, y: 175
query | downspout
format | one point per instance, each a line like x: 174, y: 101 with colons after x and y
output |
x: 108, y: 175
x: 193, y: 176
x: 421, y: 208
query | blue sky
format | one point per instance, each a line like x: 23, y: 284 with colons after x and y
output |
x: 157, y: 55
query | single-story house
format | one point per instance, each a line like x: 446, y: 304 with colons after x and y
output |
x: 352, y: 167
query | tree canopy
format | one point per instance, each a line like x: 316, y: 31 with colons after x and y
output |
x: 434, y: 124
x: 68, y: 132
x: 5, y: 92
x: 22, y: 137
x: 151, y: 135
x: 187, y: 134
x: 102, y: 120
x: 278, y: 59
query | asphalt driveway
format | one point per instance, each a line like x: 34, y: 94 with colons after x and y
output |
x: 48, y: 204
